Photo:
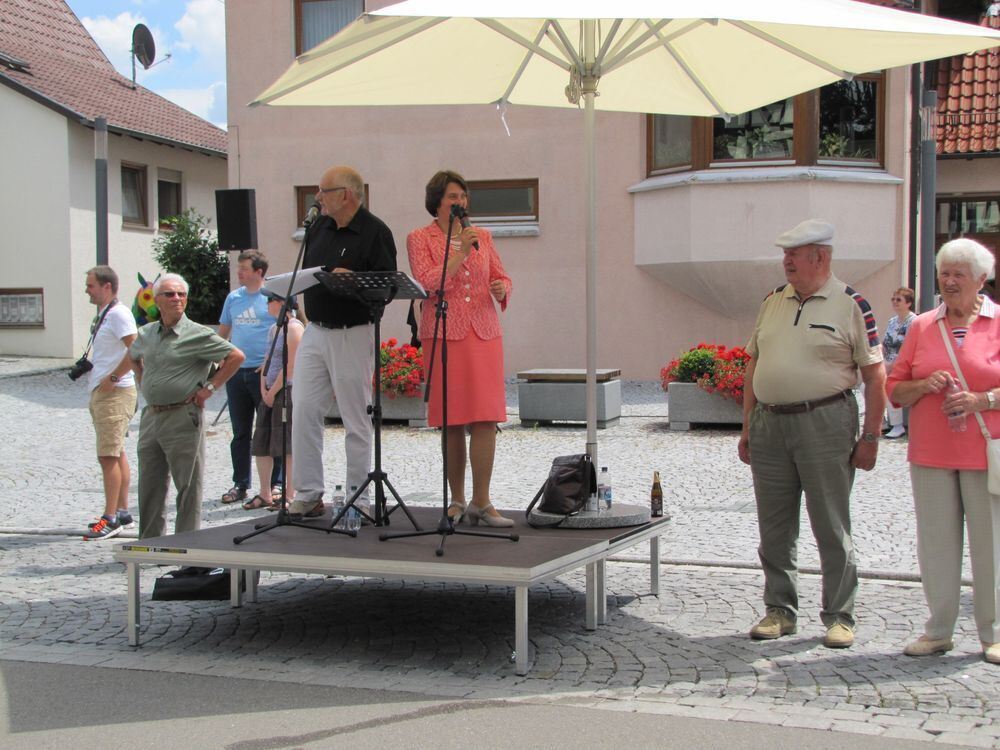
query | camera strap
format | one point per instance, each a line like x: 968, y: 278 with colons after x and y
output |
x: 97, y: 326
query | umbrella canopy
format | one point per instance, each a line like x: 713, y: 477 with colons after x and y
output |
x: 692, y: 57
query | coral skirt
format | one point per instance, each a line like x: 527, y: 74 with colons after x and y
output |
x: 475, y: 381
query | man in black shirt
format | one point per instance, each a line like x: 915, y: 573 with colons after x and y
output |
x: 336, y: 356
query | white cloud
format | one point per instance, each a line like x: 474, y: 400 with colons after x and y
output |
x: 203, y: 29
x: 114, y: 36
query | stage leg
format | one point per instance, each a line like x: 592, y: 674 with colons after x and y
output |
x: 253, y: 580
x: 654, y: 565
x: 236, y: 578
x: 602, y: 594
x: 521, y: 630
x: 132, y: 575
x: 591, y: 620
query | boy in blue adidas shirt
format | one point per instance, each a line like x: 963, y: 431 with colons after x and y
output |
x: 245, y: 321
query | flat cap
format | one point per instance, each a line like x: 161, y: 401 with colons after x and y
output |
x: 809, y: 232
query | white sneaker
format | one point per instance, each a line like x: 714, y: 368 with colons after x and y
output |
x: 896, y: 432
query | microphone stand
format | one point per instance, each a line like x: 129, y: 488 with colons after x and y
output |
x: 446, y: 526
x: 283, y: 518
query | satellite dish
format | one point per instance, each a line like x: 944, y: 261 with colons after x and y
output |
x: 143, y: 46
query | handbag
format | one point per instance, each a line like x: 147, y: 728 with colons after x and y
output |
x: 572, y: 479
x: 992, y: 444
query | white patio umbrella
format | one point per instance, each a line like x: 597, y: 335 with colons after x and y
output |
x: 690, y: 57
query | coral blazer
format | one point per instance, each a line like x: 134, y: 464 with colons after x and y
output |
x: 470, y: 304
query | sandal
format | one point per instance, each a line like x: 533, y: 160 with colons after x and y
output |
x: 235, y: 494
x: 456, y: 517
x: 257, y: 503
x: 275, y: 493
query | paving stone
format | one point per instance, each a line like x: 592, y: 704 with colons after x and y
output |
x: 684, y: 653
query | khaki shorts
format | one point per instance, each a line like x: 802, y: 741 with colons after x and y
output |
x: 111, y: 414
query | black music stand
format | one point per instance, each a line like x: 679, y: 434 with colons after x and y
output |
x: 445, y: 527
x: 376, y: 289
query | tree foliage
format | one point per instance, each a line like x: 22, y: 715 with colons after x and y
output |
x: 191, y: 250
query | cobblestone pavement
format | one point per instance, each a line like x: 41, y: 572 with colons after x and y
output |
x: 685, y: 653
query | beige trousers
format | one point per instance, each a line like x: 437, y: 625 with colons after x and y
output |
x: 946, y: 500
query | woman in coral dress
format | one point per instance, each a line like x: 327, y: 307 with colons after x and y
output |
x: 475, y: 283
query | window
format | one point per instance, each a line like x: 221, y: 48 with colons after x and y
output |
x: 503, y: 201
x: 975, y: 217
x: 318, y: 20
x: 839, y: 124
x: 22, y: 308
x: 168, y: 195
x: 848, y: 120
x: 134, y: 195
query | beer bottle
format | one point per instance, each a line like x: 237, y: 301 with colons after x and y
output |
x: 656, y: 497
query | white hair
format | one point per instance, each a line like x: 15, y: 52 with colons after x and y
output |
x: 978, y: 258
x: 175, y: 277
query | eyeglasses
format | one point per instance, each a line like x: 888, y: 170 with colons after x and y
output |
x: 323, y: 190
x: 171, y: 295
x: 898, y: 299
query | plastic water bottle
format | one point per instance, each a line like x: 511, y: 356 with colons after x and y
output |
x: 957, y: 422
x: 593, y: 503
x: 604, y: 487
x: 338, y: 504
x: 353, y: 519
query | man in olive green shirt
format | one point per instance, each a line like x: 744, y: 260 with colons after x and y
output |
x: 174, y: 362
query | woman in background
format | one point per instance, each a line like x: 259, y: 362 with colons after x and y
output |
x: 892, y: 342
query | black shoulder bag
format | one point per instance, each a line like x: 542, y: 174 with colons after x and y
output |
x: 572, y: 479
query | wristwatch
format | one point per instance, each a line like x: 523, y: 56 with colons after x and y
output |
x: 991, y: 400
x: 210, y: 387
x: 869, y: 437
x: 114, y: 379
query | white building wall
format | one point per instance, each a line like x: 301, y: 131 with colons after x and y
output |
x: 47, y: 203
x: 34, y: 214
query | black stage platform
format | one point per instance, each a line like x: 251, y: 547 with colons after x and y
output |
x: 540, y: 555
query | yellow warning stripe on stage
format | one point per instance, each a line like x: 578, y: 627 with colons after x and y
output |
x: 167, y: 550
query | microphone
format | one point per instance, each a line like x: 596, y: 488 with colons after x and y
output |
x: 463, y: 217
x: 311, y: 215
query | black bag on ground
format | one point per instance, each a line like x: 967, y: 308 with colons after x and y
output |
x: 572, y: 479
x: 203, y: 585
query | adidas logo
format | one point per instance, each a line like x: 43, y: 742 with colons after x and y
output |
x: 248, y: 316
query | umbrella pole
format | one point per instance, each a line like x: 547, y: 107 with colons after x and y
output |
x: 589, y: 86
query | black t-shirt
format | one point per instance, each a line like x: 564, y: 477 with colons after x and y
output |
x: 365, y: 244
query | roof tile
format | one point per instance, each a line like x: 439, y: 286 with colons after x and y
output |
x: 967, y: 101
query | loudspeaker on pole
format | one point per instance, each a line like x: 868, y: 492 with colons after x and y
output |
x: 236, y: 212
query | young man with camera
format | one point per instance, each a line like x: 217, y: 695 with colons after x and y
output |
x: 112, y: 396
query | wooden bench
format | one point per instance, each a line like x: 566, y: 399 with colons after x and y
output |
x: 547, y: 395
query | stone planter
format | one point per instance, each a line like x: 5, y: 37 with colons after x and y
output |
x: 409, y: 409
x: 688, y: 404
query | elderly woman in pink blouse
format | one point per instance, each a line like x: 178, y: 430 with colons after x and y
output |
x: 948, y: 464
x: 475, y: 283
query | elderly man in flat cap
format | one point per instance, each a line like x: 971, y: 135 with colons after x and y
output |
x: 812, y: 338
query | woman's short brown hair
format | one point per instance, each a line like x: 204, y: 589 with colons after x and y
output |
x: 906, y: 293
x: 437, y: 186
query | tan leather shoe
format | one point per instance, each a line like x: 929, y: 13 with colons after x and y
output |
x: 839, y: 635
x: 776, y: 623
x: 925, y: 646
x: 488, y: 515
x: 991, y: 652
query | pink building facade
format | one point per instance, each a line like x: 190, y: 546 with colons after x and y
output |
x: 686, y: 250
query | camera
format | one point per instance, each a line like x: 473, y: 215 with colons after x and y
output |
x: 80, y: 368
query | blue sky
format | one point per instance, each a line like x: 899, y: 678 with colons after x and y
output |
x: 193, y: 33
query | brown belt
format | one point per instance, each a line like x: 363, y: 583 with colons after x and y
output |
x: 803, y: 406
x: 167, y: 407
